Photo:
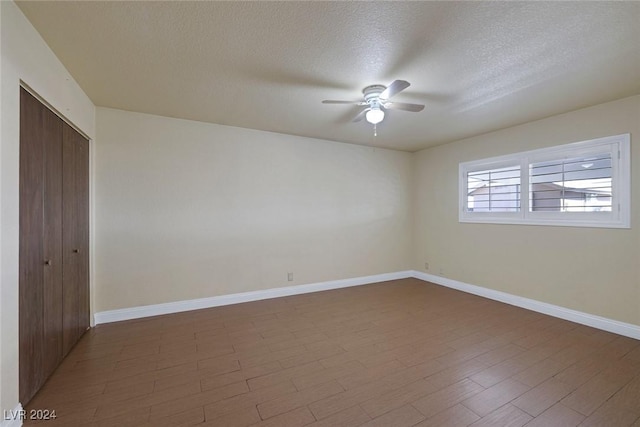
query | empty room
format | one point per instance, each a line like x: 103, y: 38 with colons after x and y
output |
x: 319, y: 213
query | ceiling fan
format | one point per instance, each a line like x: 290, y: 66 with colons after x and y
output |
x: 376, y: 101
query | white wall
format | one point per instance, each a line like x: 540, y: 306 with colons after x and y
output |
x: 188, y: 210
x: 593, y: 270
x: 25, y: 57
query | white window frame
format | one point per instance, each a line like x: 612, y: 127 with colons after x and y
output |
x: 619, y: 217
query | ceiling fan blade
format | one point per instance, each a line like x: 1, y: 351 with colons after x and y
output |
x: 404, y: 106
x: 331, y: 101
x: 393, y: 88
x: 360, y: 115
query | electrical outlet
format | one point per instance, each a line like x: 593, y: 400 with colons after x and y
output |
x: 290, y: 277
x: 426, y: 265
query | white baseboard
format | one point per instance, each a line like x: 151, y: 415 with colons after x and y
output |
x: 196, y: 304
x: 621, y: 328
x: 13, y: 418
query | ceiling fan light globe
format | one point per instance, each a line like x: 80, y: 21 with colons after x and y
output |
x: 375, y: 116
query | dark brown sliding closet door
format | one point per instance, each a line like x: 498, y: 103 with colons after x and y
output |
x: 75, y: 243
x: 31, y: 252
x: 52, y: 310
x: 54, y: 242
x: 82, y: 190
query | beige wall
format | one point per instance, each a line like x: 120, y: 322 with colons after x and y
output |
x: 189, y: 210
x: 593, y: 270
x: 26, y: 57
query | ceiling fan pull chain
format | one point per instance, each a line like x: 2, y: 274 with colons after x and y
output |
x: 375, y: 130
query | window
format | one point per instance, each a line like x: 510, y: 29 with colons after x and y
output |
x: 494, y: 190
x: 581, y: 184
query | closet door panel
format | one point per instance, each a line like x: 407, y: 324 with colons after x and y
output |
x: 82, y: 191
x: 54, y: 242
x: 70, y: 279
x: 31, y: 252
x: 52, y: 238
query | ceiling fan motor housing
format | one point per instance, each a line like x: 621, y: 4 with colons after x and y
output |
x: 372, y: 94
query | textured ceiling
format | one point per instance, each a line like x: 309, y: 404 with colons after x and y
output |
x: 477, y: 66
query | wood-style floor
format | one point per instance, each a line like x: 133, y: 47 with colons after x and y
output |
x: 399, y: 353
